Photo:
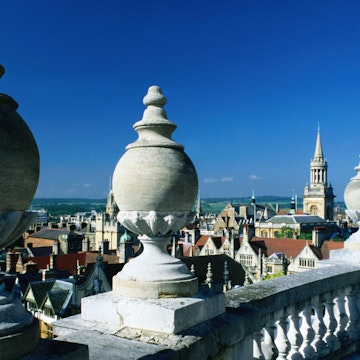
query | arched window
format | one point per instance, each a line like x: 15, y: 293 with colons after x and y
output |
x: 264, y: 233
x: 313, y: 210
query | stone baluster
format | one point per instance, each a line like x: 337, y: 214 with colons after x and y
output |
x: 308, y: 333
x: 257, y: 350
x: 320, y: 329
x: 294, y: 334
x: 342, y: 318
x: 352, y: 293
x: 268, y: 346
x: 331, y: 324
x: 281, y: 340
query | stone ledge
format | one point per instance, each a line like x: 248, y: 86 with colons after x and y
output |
x: 59, y: 350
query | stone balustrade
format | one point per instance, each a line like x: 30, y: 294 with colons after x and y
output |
x: 312, y: 315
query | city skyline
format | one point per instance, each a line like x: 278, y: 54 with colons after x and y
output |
x: 247, y: 84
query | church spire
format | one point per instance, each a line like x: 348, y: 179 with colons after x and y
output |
x: 318, y: 155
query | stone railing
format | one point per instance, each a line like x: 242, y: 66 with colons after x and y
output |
x: 312, y: 315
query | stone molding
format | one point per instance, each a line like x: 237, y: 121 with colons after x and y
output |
x: 154, y: 223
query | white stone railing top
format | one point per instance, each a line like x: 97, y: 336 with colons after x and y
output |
x: 274, y: 294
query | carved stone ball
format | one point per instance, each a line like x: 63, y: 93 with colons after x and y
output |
x: 352, y: 192
x: 155, y: 179
x: 19, y: 159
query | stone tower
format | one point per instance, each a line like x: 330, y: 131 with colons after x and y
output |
x: 318, y: 196
x: 107, y: 226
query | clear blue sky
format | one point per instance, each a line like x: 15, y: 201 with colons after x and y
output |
x: 247, y: 83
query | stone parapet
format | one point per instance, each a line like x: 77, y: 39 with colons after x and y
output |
x: 309, y: 315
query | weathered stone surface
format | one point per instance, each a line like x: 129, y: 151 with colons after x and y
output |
x: 155, y: 174
x: 58, y: 350
x: 352, y: 191
x: 17, y: 344
x: 19, y: 158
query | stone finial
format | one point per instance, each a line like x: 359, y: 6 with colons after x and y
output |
x: 209, y: 275
x: 155, y: 186
x: 154, y: 128
x: 227, y: 283
x: 247, y: 280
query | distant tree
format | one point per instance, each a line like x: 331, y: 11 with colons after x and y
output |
x: 285, y: 232
x: 306, y: 236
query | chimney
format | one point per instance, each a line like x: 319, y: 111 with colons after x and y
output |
x: 11, y: 260
x: 243, y: 212
x: 55, y: 247
x: 251, y: 231
x: 53, y: 261
x: 85, y: 244
x: 105, y: 247
x: 31, y: 267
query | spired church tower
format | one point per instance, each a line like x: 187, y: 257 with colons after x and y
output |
x: 318, y: 198
x: 108, y: 228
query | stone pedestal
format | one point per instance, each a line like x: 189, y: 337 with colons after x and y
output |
x: 155, y: 274
x: 19, y: 330
x: 164, y: 315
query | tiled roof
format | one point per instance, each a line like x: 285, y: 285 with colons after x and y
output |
x: 69, y: 261
x: 328, y: 245
x: 290, y: 247
x: 287, y: 211
x: 218, y: 241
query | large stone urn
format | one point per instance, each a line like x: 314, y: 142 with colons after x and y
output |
x: 19, y: 174
x: 155, y: 186
x: 352, y: 202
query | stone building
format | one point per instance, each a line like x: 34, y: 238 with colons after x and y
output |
x: 108, y: 228
x: 295, y: 225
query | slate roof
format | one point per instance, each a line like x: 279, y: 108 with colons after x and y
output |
x: 40, y: 251
x: 58, y: 300
x: 57, y: 292
x: 296, y: 219
x: 40, y: 289
x: 52, y: 234
x: 110, y: 270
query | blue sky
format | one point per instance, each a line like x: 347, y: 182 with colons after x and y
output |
x: 247, y: 83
